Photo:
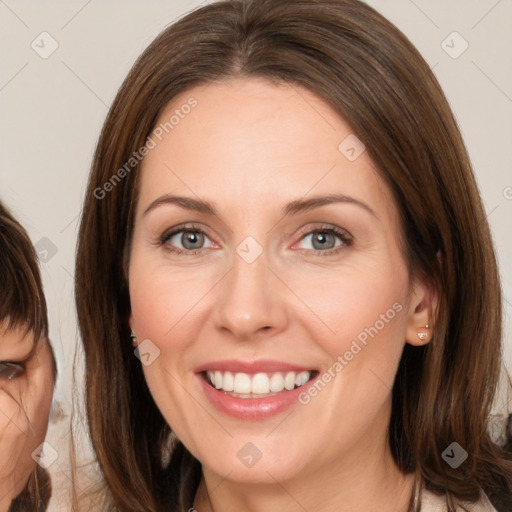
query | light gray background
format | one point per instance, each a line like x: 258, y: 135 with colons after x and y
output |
x: 52, y: 110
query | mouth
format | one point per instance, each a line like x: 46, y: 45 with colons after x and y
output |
x: 255, y: 389
x: 257, y: 385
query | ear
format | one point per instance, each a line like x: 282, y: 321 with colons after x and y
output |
x: 421, y: 313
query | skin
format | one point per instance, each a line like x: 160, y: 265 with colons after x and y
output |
x: 25, y: 402
x: 250, y: 147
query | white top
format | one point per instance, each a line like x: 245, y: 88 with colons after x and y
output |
x: 433, y: 503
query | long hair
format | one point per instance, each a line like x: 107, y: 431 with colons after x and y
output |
x: 367, y: 71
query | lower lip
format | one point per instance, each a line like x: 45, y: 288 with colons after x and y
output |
x: 252, y: 408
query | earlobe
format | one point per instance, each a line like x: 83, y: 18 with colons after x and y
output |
x: 421, y: 319
x: 424, y: 333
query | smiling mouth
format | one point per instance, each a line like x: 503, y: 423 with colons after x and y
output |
x: 257, y: 385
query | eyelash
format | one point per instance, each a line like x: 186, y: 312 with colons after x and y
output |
x: 16, y: 369
x: 326, y: 229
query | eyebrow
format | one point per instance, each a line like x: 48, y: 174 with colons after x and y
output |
x: 188, y: 203
x: 292, y: 208
x: 304, y: 205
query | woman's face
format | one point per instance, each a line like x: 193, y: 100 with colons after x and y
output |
x: 269, y: 284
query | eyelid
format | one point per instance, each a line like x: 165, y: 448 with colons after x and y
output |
x: 9, y: 370
x: 169, y: 233
x: 163, y: 240
x: 344, y: 235
x: 308, y: 229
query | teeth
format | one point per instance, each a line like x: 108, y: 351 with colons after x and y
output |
x: 228, y: 382
x: 257, y: 384
x: 302, y: 378
x: 276, y: 383
x: 289, y: 380
x: 260, y: 384
x: 242, y: 383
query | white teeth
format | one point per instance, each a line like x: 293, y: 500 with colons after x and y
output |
x: 276, y: 383
x: 302, y: 378
x: 242, y: 383
x: 218, y: 380
x: 260, y: 384
x: 245, y: 384
x: 289, y: 381
x: 228, y: 383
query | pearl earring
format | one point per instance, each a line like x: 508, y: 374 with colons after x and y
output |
x: 133, y: 338
x: 422, y: 335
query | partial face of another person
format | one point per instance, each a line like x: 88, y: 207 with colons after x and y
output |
x: 272, y: 323
x: 26, y: 389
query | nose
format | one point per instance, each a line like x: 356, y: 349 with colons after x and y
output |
x: 251, y: 301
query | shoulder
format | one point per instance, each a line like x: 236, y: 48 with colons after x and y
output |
x: 434, y: 503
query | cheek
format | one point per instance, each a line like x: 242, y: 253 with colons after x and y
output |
x: 40, y: 416
x: 366, y: 316
x: 168, y: 310
x: 363, y: 320
x: 163, y: 303
x: 350, y: 302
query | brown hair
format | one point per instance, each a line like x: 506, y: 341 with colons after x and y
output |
x: 36, y: 495
x: 22, y: 304
x: 369, y: 72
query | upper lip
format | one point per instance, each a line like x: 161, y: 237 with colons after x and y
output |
x: 259, y: 366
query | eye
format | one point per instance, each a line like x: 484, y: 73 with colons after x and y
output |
x: 186, y: 240
x: 327, y: 240
x: 9, y: 370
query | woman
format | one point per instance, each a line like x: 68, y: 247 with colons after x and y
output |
x: 27, y: 372
x: 282, y: 217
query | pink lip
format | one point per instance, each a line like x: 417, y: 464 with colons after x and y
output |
x: 251, y: 408
x: 263, y: 365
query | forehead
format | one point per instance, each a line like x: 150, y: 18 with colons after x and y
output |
x: 15, y: 341
x: 249, y: 138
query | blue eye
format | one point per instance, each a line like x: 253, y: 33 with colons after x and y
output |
x: 192, y: 240
x: 9, y: 370
x: 324, y: 240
